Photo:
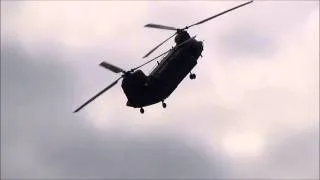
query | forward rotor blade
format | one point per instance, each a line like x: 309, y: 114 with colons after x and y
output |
x: 158, y: 26
x: 163, y: 54
x: 152, y: 50
x: 111, y: 67
x: 205, y: 20
x: 94, y: 97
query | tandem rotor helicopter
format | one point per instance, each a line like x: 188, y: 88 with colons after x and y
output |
x: 142, y: 90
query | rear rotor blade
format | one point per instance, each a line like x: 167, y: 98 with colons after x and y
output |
x: 94, y: 97
x: 158, y: 26
x: 205, y: 20
x: 111, y: 67
x: 158, y: 46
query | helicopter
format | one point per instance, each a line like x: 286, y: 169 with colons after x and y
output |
x: 143, y: 90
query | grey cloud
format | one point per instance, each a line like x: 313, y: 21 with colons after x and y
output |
x: 247, y: 42
x: 255, y: 32
x: 295, y: 155
x: 131, y: 158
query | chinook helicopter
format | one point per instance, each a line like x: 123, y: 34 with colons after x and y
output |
x: 143, y: 90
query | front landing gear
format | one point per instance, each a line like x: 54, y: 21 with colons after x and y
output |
x: 192, y: 76
x: 141, y: 110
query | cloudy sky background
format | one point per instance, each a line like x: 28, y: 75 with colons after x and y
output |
x: 252, y: 112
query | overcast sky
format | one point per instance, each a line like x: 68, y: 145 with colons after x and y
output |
x: 252, y: 112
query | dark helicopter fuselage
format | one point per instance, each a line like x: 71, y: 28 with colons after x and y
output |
x: 142, y: 90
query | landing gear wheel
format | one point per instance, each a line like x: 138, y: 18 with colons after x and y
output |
x: 192, y: 76
x: 141, y: 110
x: 164, y: 105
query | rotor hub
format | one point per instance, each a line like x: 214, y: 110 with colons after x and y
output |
x: 181, y: 36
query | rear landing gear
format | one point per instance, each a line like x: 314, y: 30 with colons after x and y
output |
x: 141, y: 110
x: 192, y: 76
x: 164, y: 105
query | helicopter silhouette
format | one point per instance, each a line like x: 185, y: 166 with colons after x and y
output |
x: 143, y: 90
